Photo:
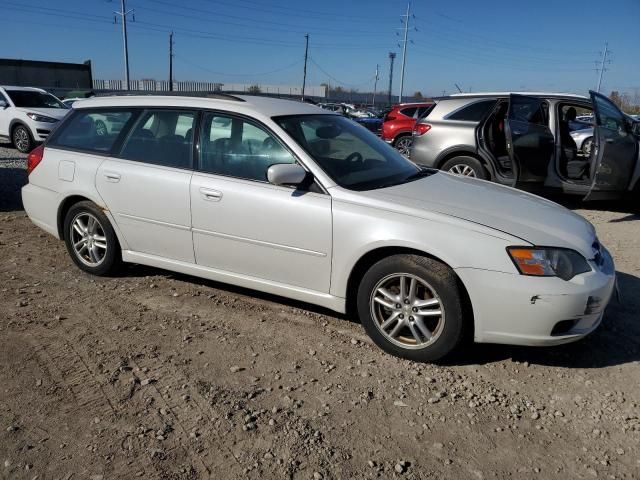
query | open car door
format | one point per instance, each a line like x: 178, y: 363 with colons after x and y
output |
x: 615, y: 150
x: 530, y: 143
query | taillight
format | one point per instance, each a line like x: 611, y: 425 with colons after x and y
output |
x: 34, y: 158
x: 421, y: 129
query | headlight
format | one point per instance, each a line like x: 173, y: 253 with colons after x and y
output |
x: 548, y: 262
x: 36, y: 117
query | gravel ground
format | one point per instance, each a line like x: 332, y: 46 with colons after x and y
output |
x: 159, y: 375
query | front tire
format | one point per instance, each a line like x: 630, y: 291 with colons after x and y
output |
x: 411, y: 307
x: 466, y: 167
x: 91, y: 240
x: 22, y: 139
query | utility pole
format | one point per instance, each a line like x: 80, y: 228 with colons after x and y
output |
x: 306, y: 54
x: 123, y: 15
x: 602, y: 67
x: 404, y: 50
x: 375, y: 87
x: 171, y: 62
x: 392, y: 57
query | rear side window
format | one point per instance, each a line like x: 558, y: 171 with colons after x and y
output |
x: 91, y: 130
x: 473, y: 112
x: 409, y: 111
x: 162, y: 137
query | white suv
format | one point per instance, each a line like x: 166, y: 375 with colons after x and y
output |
x: 289, y: 199
x: 28, y: 115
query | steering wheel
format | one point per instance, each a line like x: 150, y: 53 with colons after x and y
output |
x: 354, y: 157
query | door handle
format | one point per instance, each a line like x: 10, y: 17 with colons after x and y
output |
x: 112, y: 176
x: 211, y: 195
x: 609, y: 140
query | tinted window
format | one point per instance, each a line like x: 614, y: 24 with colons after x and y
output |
x: 409, y: 111
x: 162, y: 137
x: 528, y: 111
x: 33, y: 99
x: 351, y: 155
x: 92, y: 131
x: 473, y: 112
x: 424, y: 111
x: 237, y: 148
x: 608, y: 115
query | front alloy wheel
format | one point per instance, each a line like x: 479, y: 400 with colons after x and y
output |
x: 407, y: 311
x: 412, y: 307
x: 22, y: 139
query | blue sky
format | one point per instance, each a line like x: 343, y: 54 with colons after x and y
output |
x: 491, y: 45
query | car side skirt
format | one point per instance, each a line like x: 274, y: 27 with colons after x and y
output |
x: 326, y: 300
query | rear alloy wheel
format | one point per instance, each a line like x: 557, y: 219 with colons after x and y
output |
x: 411, y: 307
x: 403, y: 145
x: 90, y: 239
x: 466, y: 167
x: 22, y: 140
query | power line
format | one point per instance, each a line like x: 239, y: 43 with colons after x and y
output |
x: 311, y: 59
x: 193, y: 64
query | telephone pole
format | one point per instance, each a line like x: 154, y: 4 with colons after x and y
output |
x: 123, y: 15
x: 375, y: 87
x: 171, y: 62
x: 602, y: 67
x: 306, y: 54
x: 404, y: 50
x: 392, y: 57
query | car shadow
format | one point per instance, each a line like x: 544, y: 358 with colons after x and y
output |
x: 615, y: 342
x: 11, y: 181
x: 141, y: 271
x: 576, y: 203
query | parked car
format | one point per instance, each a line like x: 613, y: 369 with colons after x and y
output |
x: 525, y: 140
x: 28, y: 115
x: 398, y: 123
x: 104, y: 124
x: 309, y: 206
x: 583, y: 137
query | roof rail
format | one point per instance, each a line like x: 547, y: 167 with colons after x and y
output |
x: 129, y: 93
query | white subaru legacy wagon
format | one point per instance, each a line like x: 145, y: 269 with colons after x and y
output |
x: 289, y: 199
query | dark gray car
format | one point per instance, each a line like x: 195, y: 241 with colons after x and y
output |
x: 524, y: 140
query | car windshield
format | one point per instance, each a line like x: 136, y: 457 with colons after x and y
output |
x: 33, y: 99
x: 351, y: 155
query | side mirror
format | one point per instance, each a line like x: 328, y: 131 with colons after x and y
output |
x: 3, y: 103
x: 286, y: 174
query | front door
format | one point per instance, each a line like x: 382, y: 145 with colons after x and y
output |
x: 615, y: 150
x: 146, y: 187
x: 245, y: 225
x: 530, y: 142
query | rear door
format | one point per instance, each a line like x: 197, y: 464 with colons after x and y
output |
x: 146, y: 187
x: 530, y: 142
x: 615, y: 150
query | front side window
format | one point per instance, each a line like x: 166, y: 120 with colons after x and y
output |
x: 92, y: 130
x: 33, y: 99
x: 235, y: 147
x: 351, y: 155
x: 609, y: 117
x: 162, y: 137
x: 409, y: 111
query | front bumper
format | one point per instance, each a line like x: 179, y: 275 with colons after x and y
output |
x: 42, y: 130
x: 522, y: 310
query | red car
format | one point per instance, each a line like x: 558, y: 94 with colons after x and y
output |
x: 398, y: 124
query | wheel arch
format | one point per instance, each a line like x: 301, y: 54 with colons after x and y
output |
x: 400, y: 134
x: 16, y: 122
x: 372, y: 256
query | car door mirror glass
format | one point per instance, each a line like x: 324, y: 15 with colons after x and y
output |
x: 286, y: 174
x: 3, y: 104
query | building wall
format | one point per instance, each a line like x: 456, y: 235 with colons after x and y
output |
x: 46, y: 75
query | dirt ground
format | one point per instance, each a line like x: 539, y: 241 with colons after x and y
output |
x: 159, y: 375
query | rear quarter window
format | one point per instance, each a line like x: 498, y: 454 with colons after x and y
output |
x: 473, y: 112
x: 94, y: 131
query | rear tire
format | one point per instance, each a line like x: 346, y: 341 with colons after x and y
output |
x: 91, y: 240
x: 466, y: 167
x: 22, y: 139
x: 403, y: 144
x: 424, y: 325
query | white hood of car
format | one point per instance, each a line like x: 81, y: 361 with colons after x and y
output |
x: 58, y: 113
x: 534, y: 219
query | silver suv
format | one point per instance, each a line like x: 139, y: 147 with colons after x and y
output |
x: 525, y: 140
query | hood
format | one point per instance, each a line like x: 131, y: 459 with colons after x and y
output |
x: 533, y: 219
x: 58, y: 113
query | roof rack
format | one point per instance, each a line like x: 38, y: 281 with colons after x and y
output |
x: 219, y: 96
